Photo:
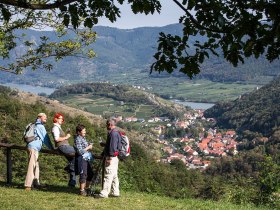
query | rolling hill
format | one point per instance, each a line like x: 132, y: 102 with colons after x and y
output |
x: 125, y: 100
x: 258, y: 111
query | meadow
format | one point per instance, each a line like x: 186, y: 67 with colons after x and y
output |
x: 59, y: 197
x: 196, y: 90
x: 201, y: 90
x: 107, y: 106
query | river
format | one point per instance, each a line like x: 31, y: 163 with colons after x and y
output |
x: 195, y: 105
x: 30, y: 88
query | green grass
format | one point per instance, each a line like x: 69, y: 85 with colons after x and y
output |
x: 191, y: 90
x: 202, y: 90
x: 100, y: 106
x: 55, y: 197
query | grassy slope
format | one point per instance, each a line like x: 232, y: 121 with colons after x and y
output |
x: 200, y: 90
x: 62, y: 198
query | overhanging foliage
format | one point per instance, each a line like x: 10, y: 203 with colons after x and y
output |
x: 238, y: 28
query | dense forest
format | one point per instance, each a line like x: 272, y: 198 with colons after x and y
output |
x: 248, y: 177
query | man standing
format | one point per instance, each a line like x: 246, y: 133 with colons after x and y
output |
x: 111, y: 151
x: 41, y: 136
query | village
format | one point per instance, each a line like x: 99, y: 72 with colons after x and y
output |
x: 195, y: 151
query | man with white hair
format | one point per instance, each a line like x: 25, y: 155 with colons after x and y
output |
x: 33, y: 148
x: 111, y: 152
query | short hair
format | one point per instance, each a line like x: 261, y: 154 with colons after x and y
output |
x: 41, y: 114
x: 58, y: 115
x: 111, y: 121
x: 79, y: 128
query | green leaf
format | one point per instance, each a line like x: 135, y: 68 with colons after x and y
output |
x: 6, y: 14
x: 66, y: 20
x: 88, y: 23
x: 191, y: 4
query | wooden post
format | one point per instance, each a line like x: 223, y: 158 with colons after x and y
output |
x: 9, y: 165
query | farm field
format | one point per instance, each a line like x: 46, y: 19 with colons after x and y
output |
x: 202, y: 90
x: 190, y: 90
x: 106, y: 106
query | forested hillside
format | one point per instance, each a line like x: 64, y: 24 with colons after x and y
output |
x: 256, y: 117
x: 125, y: 56
x: 258, y: 111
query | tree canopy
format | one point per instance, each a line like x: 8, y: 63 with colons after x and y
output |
x: 234, y: 29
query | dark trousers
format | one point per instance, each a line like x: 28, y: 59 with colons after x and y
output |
x: 69, y: 152
x: 86, y: 174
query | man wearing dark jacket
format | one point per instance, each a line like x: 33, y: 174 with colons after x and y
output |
x: 111, y: 180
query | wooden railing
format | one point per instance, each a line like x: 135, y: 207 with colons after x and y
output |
x: 9, y: 163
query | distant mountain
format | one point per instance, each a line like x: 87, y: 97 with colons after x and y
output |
x: 130, y: 52
x: 258, y: 111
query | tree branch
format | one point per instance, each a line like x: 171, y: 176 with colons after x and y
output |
x: 7, y: 70
x: 36, y: 6
x: 195, y: 21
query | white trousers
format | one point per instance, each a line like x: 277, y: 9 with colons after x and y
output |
x: 33, y: 168
x: 111, y: 180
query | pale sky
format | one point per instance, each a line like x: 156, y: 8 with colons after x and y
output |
x: 170, y: 13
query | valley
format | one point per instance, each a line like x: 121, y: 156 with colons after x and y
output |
x: 118, y: 62
x: 181, y: 134
x: 224, y: 54
x: 170, y: 88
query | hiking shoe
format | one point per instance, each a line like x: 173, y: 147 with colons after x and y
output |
x: 89, y: 192
x: 27, y: 189
x: 71, y: 185
x: 114, y: 196
x: 36, y: 184
x: 99, y: 196
x: 83, y: 193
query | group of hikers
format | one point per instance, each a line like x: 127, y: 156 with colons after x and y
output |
x: 79, y: 156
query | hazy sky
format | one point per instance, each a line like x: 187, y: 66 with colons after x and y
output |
x: 170, y: 14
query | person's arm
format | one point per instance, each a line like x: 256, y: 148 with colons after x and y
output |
x: 47, y: 142
x: 114, y: 140
x: 43, y: 135
x: 79, y: 145
x: 113, y: 147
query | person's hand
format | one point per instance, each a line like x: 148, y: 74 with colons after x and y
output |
x: 68, y: 135
x: 89, y: 147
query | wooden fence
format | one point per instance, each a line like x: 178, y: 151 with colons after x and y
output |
x: 9, y: 162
